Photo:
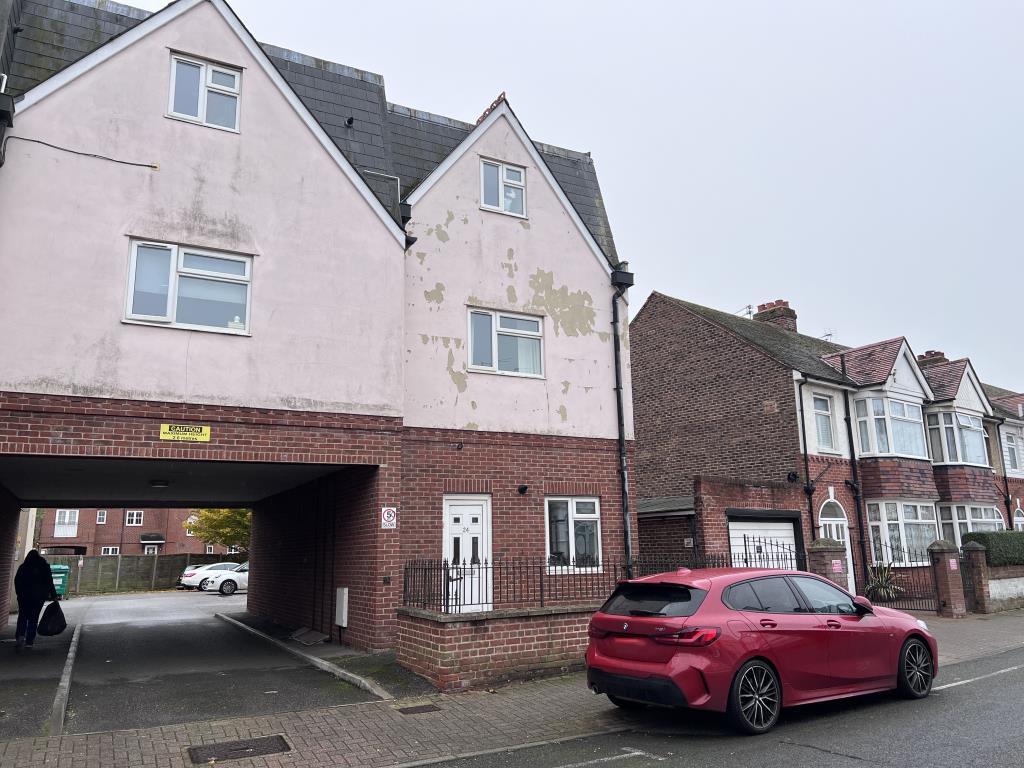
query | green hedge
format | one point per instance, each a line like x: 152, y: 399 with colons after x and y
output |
x: 1002, y: 547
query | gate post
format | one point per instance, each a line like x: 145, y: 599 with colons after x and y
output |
x: 976, y: 563
x: 949, y: 587
x: 822, y: 557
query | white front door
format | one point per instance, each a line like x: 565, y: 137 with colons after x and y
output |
x: 467, y: 549
x: 834, y: 525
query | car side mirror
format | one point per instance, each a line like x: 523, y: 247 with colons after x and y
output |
x: 863, y: 605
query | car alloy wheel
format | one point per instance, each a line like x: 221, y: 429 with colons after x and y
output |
x: 228, y: 588
x: 756, y: 698
x: 203, y: 583
x: 916, y: 671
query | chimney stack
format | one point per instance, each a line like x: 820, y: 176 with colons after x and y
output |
x: 777, y: 313
x: 931, y: 357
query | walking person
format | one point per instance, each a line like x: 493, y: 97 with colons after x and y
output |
x: 34, y: 586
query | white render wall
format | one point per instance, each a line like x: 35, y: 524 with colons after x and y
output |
x: 327, y: 286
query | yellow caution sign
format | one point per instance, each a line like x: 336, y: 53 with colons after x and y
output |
x: 185, y: 433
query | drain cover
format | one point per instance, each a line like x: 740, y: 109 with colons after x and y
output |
x: 419, y: 710
x: 234, y: 750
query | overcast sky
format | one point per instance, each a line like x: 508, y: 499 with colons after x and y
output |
x: 861, y: 159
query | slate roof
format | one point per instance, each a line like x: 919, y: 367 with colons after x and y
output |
x: 794, y: 350
x: 665, y: 504
x: 384, y: 141
x: 945, y: 378
x: 870, y: 364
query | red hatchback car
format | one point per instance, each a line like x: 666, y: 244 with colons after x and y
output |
x: 749, y: 642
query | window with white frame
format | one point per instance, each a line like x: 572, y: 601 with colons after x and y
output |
x: 1012, y: 452
x: 110, y: 550
x: 191, y: 520
x: 233, y: 550
x: 203, y: 92
x: 957, y: 438
x: 500, y: 342
x: 133, y: 517
x: 958, y: 519
x: 503, y: 187
x: 151, y: 549
x: 901, y: 531
x: 1018, y: 519
x: 823, y: 422
x: 209, y: 549
x: 890, y: 426
x: 188, y: 288
x: 101, y: 517
x: 573, y: 532
x: 65, y: 525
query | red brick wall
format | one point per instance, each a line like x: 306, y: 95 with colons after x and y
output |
x: 959, y: 483
x: 9, y: 514
x: 898, y: 479
x: 665, y: 537
x: 706, y: 403
x: 715, y: 495
x: 473, y: 653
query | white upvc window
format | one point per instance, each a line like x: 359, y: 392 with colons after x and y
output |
x: 500, y: 342
x: 151, y: 549
x: 503, y: 187
x: 204, y: 92
x: 824, y: 426
x: 110, y: 551
x: 888, y: 426
x: 101, y: 517
x: 186, y: 287
x: 957, y: 438
x: 209, y: 549
x: 573, y: 531
x: 233, y: 550
x: 133, y: 517
x: 958, y: 519
x: 65, y: 525
x: 191, y: 521
x: 1012, y: 452
x: 901, y: 531
x: 1018, y: 519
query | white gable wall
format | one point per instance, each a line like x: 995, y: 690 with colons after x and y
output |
x: 906, y: 376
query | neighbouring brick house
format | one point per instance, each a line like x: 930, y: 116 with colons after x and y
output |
x: 388, y: 332
x: 120, y: 531
x: 746, y: 427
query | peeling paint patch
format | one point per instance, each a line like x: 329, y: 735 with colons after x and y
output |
x: 565, y: 387
x: 430, y: 231
x: 471, y: 425
x: 510, y: 292
x: 563, y: 413
x: 458, y: 343
x: 465, y: 218
x: 441, y: 235
x: 449, y: 219
x: 435, y: 296
x: 587, y: 389
x: 603, y: 335
x: 447, y: 341
x: 424, y: 338
x: 524, y: 224
x: 510, y: 266
x: 472, y: 404
x: 571, y: 311
x: 459, y: 378
x: 421, y: 256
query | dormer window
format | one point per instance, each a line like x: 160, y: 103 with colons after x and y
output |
x: 889, y: 426
x: 503, y: 187
x: 203, y: 92
x: 957, y: 438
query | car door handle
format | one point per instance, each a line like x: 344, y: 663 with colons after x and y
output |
x: 769, y: 624
x: 833, y: 624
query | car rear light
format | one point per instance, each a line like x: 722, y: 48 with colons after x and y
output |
x: 189, y: 573
x: 692, y: 637
x: 596, y: 633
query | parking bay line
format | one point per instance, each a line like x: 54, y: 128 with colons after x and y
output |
x: 628, y: 753
x: 979, y: 677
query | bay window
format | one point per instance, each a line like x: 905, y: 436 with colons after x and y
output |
x: 957, y: 438
x: 890, y: 426
x: 573, y: 532
x: 901, y: 531
x: 503, y: 343
x: 958, y: 519
x: 823, y: 422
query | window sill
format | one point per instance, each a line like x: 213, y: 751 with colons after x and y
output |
x: 827, y: 452
x: 961, y: 464
x: 502, y: 211
x: 183, y: 327
x: 193, y: 121
x: 540, y: 376
x: 570, y: 570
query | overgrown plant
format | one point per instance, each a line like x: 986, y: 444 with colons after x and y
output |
x: 882, y: 584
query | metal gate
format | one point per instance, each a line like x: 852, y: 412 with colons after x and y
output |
x: 902, y: 578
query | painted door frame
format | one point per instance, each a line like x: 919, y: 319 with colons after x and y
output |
x: 479, y: 580
x: 851, y: 584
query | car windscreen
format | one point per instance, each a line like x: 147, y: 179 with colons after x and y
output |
x: 654, y: 600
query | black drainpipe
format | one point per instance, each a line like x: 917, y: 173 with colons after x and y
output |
x: 858, y: 499
x: 621, y: 280
x: 808, y: 486
x: 1007, y: 497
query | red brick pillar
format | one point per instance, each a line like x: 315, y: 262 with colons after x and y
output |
x: 948, y: 583
x: 976, y: 563
x: 827, y: 558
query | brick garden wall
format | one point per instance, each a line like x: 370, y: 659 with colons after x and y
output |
x: 473, y: 652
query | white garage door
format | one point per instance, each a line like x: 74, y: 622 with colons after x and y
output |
x: 762, y: 544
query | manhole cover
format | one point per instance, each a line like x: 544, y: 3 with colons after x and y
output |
x: 419, y: 710
x: 234, y: 750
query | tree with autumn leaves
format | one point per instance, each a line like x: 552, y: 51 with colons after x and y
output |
x: 225, y: 526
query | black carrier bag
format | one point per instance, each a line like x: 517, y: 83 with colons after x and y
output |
x: 52, y: 621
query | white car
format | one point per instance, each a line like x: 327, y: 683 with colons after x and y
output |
x: 229, y: 582
x: 196, y: 576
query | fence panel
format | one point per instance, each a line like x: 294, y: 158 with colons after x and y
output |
x: 102, y: 574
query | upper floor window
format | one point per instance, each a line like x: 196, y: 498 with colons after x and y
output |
x: 110, y: 550
x: 901, y: 532
x: 133, y: 517
x: 959, y: 519
x: 66, y: 523
x: 205, y: 93
x: 1012, y: 452
x: 101, y: 517
x: 188, y: 288
x: 503, y: 187
x: 504, y: 343
x: 574, y: 532
x: 957, y: 438
x: 823, y: 422
x: 897, y: 429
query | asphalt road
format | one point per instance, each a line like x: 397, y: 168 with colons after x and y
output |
x: 973, y: 724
